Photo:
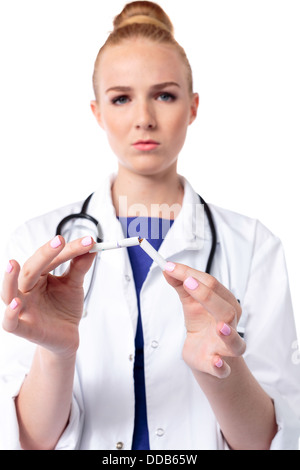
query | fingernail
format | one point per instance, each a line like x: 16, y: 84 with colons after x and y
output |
x: 13, y: 304
x: 170, y: 266
x: 225, y: 330
x: 87, y: 241
x: 219, y: 363
x: 191, y: 283
x: 9, y: 267
x: 55, y: 243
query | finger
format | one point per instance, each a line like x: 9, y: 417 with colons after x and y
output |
x: 220, y: 368
x: 49, y: 257
x: 219, y: 308
x: 234, y: 345
x: 11, y: 316
x: 71, y: 251
x: 10, y: 282
x: 182, y: 272
x: 211, y: 294
x: 207, y: 298
x: 39, y: 262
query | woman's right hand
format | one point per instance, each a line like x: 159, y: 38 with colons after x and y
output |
x: 43, y: 308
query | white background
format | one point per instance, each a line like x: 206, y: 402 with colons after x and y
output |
x: 242, y: 152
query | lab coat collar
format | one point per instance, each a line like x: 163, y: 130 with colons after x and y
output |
x: 190, y: 228
x: 188, y: 232
x: 102, y: 208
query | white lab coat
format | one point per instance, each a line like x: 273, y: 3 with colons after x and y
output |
x: 249, y: 261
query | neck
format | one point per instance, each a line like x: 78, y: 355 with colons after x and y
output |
x: 147, y: 196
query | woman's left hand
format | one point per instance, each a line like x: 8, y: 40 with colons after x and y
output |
x: 211, y: 316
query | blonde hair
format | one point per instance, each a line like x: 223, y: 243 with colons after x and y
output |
x: 145, y: 20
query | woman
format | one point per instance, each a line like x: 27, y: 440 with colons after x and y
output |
x: 156, y: 363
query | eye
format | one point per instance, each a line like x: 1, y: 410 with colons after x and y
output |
x: 166, y: 97
x: 119, y: 100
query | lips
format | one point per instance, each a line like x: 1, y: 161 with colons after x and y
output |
x: 146, y: 145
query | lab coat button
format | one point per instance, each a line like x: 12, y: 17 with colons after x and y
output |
x: 131, y: 357
x: 119, y: 445
x: 160, y: 432
x: 154, y: 344
x: 128, y: 278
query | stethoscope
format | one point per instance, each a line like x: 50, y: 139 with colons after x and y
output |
x: 83, y: 214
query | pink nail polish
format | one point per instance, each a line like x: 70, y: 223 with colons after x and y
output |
x: 191, y: 283
x: 55, y: 243
x: 9, y: 267
x: 225, y: 330
x: 170, y: 267
x: 87, y: 241
x: 219, y: 363
x: 13, y: 305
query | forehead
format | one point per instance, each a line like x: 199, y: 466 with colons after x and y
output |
x: 140, y: 61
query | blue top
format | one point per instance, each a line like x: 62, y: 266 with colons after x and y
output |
x: 154, y: 230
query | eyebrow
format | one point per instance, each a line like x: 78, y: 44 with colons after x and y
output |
x: 126, y: 89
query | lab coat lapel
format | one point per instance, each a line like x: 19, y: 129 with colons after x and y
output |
x: 189, y: 231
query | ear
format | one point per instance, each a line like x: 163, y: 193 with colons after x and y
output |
x: 96, y: 112
x: 194, y: 107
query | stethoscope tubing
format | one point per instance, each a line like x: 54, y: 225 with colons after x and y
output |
x: 83, y: 214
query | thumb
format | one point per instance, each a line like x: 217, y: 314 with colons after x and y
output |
x: 79, y: 266
x: 178, y: 286
x: 171, y: 280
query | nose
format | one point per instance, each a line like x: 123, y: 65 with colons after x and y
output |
x: 145, y: 117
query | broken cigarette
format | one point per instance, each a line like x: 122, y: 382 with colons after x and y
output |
x: 128, y: 242
x: 152, y: 253
x: 125, y: 243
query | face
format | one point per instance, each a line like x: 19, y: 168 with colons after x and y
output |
x: 144, y: 105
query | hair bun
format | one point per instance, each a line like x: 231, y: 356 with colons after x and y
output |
x: 143, y: 13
